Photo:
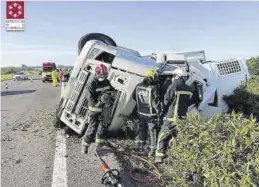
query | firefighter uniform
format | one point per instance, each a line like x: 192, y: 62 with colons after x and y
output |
x: 147, y: 97
x: 60, y: 75
x: 66, y: 75
x: 54, y: 77
x: 95, y: 106
x: 176, y: 102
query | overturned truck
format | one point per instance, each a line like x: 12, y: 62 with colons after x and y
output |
x: 209, y: 80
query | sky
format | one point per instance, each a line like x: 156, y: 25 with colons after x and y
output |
x: 52, y: 29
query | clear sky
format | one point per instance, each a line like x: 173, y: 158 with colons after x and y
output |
x: 52, y: 29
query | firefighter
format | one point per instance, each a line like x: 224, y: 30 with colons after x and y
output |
x: 66, y: 74
x: 60, y: 75
x: 54, y: 77
x: 176, y: 102
x: 95, y: 90
x: 149, y: 106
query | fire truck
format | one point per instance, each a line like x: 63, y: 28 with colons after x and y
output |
x: 47, y: 68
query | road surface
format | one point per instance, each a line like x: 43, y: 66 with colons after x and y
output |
x: 34, y: 153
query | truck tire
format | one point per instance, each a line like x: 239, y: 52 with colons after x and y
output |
x: 43, y: 80
x: 95, y: 36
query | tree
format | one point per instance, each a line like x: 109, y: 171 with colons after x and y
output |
x: 253, y: 65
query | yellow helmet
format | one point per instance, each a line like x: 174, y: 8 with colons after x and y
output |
x: 150, y: 73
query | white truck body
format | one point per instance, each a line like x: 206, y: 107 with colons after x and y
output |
x: 127, y: 70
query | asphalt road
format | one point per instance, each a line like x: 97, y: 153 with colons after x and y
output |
x: 29, y: 147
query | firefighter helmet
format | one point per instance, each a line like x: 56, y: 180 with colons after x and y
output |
x: 150, y: 73
x: 101, y: 70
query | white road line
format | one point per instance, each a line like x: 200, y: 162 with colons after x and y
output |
x: 59, y: 178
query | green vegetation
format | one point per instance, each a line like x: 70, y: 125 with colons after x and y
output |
x: 245, y: 99
x: 6, y: 77
x: 8, y: 72
x: 222, y: 151
x: 253, y: 65
x: 31, y: 73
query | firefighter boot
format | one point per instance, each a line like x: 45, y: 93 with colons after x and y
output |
x: 139, y: 148
x: 84, y: 147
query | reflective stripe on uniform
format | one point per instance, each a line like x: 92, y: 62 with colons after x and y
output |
x: 99, y: 140
x: 144, y: 114
x: 94, y: 109
x: 149, y: 100
x: 160, y: 154
x: 178, y: 93
x: 103, y: 88
x: 84, y: 143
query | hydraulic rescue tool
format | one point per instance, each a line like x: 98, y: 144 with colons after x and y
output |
x: 111, y: 176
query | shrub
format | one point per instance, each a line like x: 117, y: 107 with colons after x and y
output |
x: 10, y: 70
x: 245, y: 98
x: 253, y: 65
x: 222, y: 151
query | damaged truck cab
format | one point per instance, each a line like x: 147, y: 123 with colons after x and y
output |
x: 126, y: 70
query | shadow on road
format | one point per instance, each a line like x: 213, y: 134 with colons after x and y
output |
x: 16, y: 92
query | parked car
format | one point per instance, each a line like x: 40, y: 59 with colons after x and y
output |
x: 20, y: 76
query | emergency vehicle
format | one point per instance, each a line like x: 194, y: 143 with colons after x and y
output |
x: 47, y: 68
x: 126, y: 67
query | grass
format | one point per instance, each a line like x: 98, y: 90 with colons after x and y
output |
x: 31, y: 73
x: 6, y: 77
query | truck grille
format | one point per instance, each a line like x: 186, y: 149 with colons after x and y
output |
x: 77, y: 90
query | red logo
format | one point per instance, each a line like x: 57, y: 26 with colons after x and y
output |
x: 14, y: 9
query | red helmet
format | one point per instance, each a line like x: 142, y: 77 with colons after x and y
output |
x: 101, y: 70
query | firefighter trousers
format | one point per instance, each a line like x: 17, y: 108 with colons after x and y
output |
x: 145, y: 125
x: 168, y: 130
x: 54, y: 81
x: 95, y: 129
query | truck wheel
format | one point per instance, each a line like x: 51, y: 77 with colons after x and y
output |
x: 95, y: 36
x: 43, y: 80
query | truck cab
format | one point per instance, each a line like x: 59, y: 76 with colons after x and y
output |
x: 126, y: 70
x: 47, y: 68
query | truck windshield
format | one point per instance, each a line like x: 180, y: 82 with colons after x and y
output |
x: 47, y: 69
